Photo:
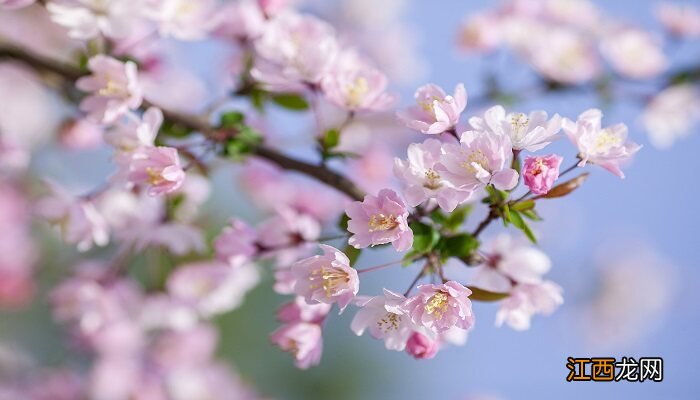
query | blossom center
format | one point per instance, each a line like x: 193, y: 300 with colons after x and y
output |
x: 111, y: 88
x: 382, y: 222
x: 606, y: 140
x: 357, y: 90
x: 433, y: 179
x: 390, y: 322
x: 331, y: 279
x: 155, y: 176
x: 476, y: 157
x: 437, y: 304
x: 519, y: 123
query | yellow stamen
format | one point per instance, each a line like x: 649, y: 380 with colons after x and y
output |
x: 437, y: 304
x: 330, y: 278
x: 381, y: 222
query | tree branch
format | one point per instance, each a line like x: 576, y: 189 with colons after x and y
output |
x: 72, y: 73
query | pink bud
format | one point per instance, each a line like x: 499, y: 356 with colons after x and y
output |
x: 540, y: 173
x: 422, y: 347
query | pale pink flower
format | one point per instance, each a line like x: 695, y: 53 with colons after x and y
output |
x: 355, y: 85
x: 183, y: 19
x: 509, y: 261
x: 241, y: 20
x: 634, y: 53
x: 527, y: 132
x: 326, y: 278
x: 386, y: 319
x: 132, y: 132
x: 671, y: 114
x: 78, y: 219
x: 158, y: 168
x: 301, y: 311
x: 293, y: 51
x: 303, y: 340
x: 213, y: 287
x: 526, y: 300
x: 87, y: 19
x: 287, y: 228
x: 272, y: 7
x: 380, y: 219
x: 113, y: 86
x: 236, y: 240
x: 540, y: 172
x: 480, y: 33
x: 423, y: 182
x: 16, y: 288
x: 421, y: 346
x: 435, y: 111
x: 14, y: 4
x: 680, y: 19
x: 80, y: 134
x: 441, y: 307
x: 178, y: 238
x: 607, y: 147
x: 480, y: 159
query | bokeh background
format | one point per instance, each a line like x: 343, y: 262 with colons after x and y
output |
x: 625, y: 251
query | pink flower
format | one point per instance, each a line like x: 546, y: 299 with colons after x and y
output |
x: 509, y: 261
x: 356, y: 86
x: 435, y: 112
x: 327, y: 278
x: 301, y: 311
x: 378, y: 220
x: 480, y: 159
x: 422, y: 347
x: 287, y: 229
x: 132, y: 132
x: 80, y: 134
x: 158, y: 168
x: 441, y: 307
x: 78, y: 219
x: 634, y: 53
x: 526, y: 300
x: 272, y: 7
x: 87, y: 19
x: 241, y: 20
x: 114, y: 89
x: 236, y: 240
x: 423, y: 182
x: 540, y: 172
x: 212, y: 287
x: 386, y: 319
x: 480, y: 33
x: 606, y: 147
x: 303, y: 340
x: 294, y: 50
x: 680, y: 19
x: 671, y: 114
x: 527, y: 132
x: 183, y: 19
x: 13, y: 4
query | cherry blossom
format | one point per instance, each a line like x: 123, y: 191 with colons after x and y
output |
x: 441, y: 307
x: 327, y: 278
x: 378, y: 220
x: 539, y: 173
x: 435, y: 111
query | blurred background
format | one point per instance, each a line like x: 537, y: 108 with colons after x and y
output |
x: 625, y: 251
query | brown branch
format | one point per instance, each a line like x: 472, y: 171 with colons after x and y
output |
x: 72, y: 73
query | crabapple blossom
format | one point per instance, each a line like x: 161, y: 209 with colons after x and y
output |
x: 441, y: 307
x: 422, y: 181
x: 241, y: 20
x: 421, y: 346
x: 680, y: 19
x: 303, y: 340
x: 80, y: 134
x: 634, y: 53
x: 287, y: 228
x: 87, y: 19
x: 508, y: 261
x: 435, y: 111
x: 607, y: 147
x: 182, y: 19
x: 236, y: 240
x: 301, y: 311
x: 158, y: 168
x: 480, y: 159
x: 131, y: 132
x: 540, y: 172
x: 13, y: 4
x: 326, y: 278
x: 113, y: 86
x: 671, y: 114
x: 378, y: 220
x: 527, y: 132
x: 480, y: 33
x: 386, y: 319
x: 526, y: 300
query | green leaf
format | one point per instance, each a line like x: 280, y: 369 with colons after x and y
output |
x: 506, y: 215
x: 519, y: 223
x: 496, y: 196
x: 331, y: 138
x: 258, y: 98
x: 291, y: 101
x: 486, y: 295
x: 458, y: 246
x: 231, y: 120
x: 352, y: 253
x: 455, y: 220
x: 425, y: 237
x: 531, y: 215
x: 343, y: 222
x: 523, y: 205
x: 243, y: 143
x: 172, y: 129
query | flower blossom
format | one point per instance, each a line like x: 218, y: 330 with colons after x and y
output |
x: 607, y: 147
x: 527, y: 132
x: 671, y: 114
x: 241, y: 20
x: 480, y: 33
x: 183, y: 19
x: 680, y: 19
x: 421, y: 346
x: 378, y: 220
x: 86, y: 19
x: 435, y: 111
x: 236, y: 240
x: 80, y: 134
x: 421, y: 179
x: 131, y: 132
x: 13, y: 4
x: 326, y: 278
x: 301, y: 311
x: 526, y: 300
x: 634, y: 53
x: 303, y: 340
x: 480, y: 159
x: 386, y: 319
x: 540, y: 172
x: 441, y: 307
x: 157, y: 167
x: 114, y: 89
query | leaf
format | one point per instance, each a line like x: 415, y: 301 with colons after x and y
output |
x: 291, y: 101
x: 519, y: 223
x: 531, y: 215
x: 331, y: 138
x: 231, y: 119
x: 523, y: 205
x: 425, y: 237
x: 172, y: 129
x: 458, y: 246
x: 243, y: 144
x: 352, y: 253
x: 455, y: 220
x: 506, y: 215
x: 567, y: 187
x: 485, y: 295
x: 343, y: 222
